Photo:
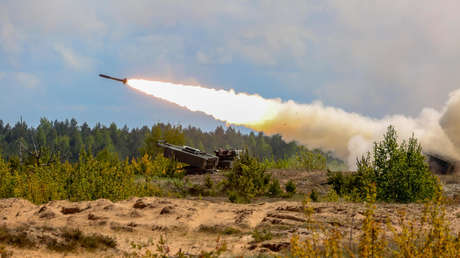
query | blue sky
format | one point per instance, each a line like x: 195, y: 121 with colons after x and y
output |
x: 376, y: 58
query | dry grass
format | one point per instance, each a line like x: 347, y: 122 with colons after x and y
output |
x: 218, y: 229
x: 425, y: 236
x: 63, y: 240
x: 16, y: 237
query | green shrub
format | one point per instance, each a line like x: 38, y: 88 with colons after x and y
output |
x: 399, y: 172
x: 309, y: 160
x: 247, y: 179
x: 332, y: 196
x: 260, y: 236
x: 88, y: 179
x: 275, y: 189
x: 290, y: 187
x: 233, y: 197
x: 208, y: 182
x: 314, y: 195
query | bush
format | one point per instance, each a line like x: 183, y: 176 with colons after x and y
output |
x: 332, y: 196
x: 275, y: 189
x: 351, y: 185
x: 310, y: 160
x: 88, y: 179
x: 290, y: 187
x: 314, y: 195
x: 399, y: 172
x: 247, y: 179
x: 234, y: 197
x: 260, y: 236
x: 208, y: 182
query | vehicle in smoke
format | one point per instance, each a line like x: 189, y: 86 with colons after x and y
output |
x: 442, y: 165
x: 125, y: 80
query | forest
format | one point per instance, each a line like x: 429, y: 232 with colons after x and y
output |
x: 69, y: 138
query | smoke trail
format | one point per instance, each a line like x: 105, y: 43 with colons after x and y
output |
x: 349, y: 135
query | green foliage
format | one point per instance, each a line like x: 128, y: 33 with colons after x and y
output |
x: 290, y: 187
x: 234, y: 197
x: 399, y: 172
x: 208, y: 182
x: 309, y: 160
x: 170, y: 134
x: 247, y: 179
x: 351, y: 185
x: 314, y: 195
x: 67, y: 138
x: 304, y: 159
x: 332, y: 196
x: 274, y: 189
x: 88, y: 179
x: 263, y: 235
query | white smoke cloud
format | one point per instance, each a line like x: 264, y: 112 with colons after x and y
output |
x: 450, y: 120
x: 351, y: 135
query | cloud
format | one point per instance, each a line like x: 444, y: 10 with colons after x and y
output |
x: 9, y: 36
x: 403, y: 51
x: 376, y: 58
x: 214, y: 56
x: 27, y: 80
x: 72, y: 59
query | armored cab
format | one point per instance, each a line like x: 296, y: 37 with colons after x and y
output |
x: 197, y: 160
x: 227, y: 157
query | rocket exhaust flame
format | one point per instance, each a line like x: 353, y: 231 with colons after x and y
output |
x: 234, y: 108
x: 349, y: 135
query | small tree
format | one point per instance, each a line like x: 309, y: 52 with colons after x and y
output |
x: 399, y: 171
x: 290, y: 187
x: 173, y: 135
x: 247, y: 179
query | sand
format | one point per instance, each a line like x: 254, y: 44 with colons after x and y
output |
x: 192, y: 226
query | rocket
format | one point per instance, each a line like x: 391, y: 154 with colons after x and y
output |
x: 125, y: 80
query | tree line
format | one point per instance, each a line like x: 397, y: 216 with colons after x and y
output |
x: 68, y: 138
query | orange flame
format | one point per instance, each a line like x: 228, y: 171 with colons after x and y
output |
x: 235, y: 108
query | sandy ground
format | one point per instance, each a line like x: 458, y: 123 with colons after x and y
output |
x: 189, y: 225
x: 195, y: 225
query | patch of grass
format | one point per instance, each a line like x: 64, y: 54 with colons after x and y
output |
x: 263, y: 235
x: 218, y: 229
x: 74, y: 238
x: 16, y: 237
x: 231, y: 231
